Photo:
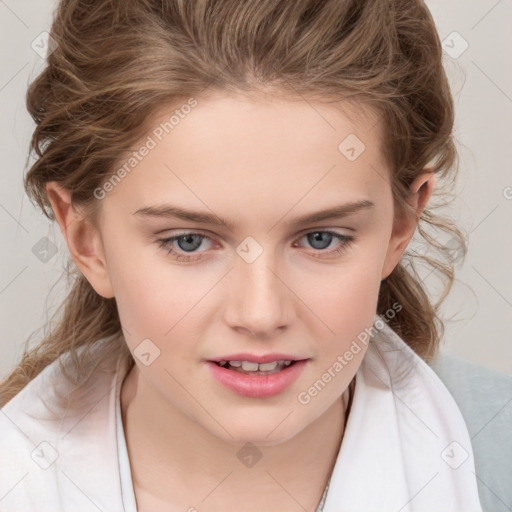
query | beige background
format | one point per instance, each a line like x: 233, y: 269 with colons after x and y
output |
x: 481, y: 79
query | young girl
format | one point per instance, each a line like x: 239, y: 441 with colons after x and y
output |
x: 238, y: 183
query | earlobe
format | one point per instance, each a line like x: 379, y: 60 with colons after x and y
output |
x: 82, y: 238
x: 405, y: 224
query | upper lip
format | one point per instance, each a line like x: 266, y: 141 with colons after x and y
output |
x: 253, y: 358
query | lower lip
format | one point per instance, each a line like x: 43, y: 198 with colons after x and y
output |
x: 257, y: 386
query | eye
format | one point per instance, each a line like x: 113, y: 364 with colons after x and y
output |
x: 321, y: 239
x: 189, y: 242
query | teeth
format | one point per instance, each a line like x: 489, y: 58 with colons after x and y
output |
x: 266, y: 367
x: 249, y: 366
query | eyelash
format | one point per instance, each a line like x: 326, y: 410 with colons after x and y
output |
x: 166, y: 244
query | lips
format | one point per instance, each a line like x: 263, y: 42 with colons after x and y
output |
x: 251, y: 383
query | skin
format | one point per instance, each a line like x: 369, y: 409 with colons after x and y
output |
x: 260, y: 164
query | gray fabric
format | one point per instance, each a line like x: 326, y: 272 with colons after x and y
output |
x: 485, y: 399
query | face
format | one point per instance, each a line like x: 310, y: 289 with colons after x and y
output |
x: 268, y: 282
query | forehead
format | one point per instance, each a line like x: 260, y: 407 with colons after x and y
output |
x: 255, y: 123
x: 238, y: 152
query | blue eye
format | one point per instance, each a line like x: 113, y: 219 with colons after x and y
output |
x: 317, y: 239
x: 313, y: 238
x: 189, y: 242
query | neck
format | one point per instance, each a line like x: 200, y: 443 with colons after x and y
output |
x: 166, y: 448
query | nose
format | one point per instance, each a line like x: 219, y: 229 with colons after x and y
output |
x: 258, y: 300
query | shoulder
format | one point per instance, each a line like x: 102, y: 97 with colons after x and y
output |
x: 484, y: 398
x: 54, y: 432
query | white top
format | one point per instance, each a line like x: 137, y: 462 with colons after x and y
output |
x: 125, y: 476
x: 405, y: 446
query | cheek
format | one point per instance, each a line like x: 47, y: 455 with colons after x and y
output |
x: 152, y: 295
x: 351, y: 306
x: 345, y: 298
x: 354, y: 284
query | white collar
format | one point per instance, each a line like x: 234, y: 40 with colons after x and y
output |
x: 406, y: 447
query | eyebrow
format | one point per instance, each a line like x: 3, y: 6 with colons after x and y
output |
x: 168, y: 210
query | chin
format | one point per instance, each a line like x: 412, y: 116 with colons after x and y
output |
x: 267, y: 432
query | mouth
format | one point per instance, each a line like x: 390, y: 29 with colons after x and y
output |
x: 269, y: 377
x: 253, y: 368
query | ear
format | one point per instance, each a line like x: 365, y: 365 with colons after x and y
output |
x: 405, y: 223
x: 82, y: 238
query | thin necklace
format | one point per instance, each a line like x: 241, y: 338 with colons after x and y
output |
x: 324, y: 495
x: 350, y: 396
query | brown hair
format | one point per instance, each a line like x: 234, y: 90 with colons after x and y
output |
x: 118, y: 62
